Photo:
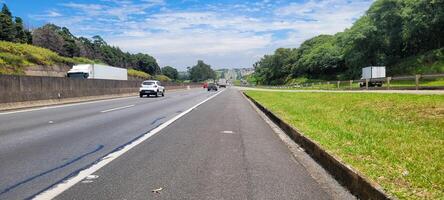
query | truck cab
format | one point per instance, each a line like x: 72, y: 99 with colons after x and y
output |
x: 79, y: 71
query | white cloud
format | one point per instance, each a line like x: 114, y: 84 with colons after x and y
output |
x: 223, y: 35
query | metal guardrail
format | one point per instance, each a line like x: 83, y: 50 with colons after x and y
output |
x: 386, y: 83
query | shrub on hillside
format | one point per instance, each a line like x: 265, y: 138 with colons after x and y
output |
x: 162, y: 78
x: 138, y: 74
x: 15, y: 57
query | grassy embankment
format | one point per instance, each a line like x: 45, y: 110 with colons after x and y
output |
x: 396, y: 140
x: 15, y: 58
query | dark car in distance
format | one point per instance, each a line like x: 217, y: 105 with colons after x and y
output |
x: 212, y: 86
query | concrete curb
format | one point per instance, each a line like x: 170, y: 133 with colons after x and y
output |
x: 355, y: 182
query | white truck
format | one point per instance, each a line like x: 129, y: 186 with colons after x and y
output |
x: 222, y: 83
x: 374, y: 75
x: 97, y: 71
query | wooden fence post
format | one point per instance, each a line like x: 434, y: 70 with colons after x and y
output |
x: 328, y: 85
x: 388, y: 82
x: 366, y: 84
x: 351, y: 84
x: 339, y: 82
x: 417, y: 77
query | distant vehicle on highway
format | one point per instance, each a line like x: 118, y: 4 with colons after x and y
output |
x: 96, y: 71
x: 222, y: 83
x: 151, y: 87
x: 212, y: 86
x: 205, y: 85
x: 373, y: 74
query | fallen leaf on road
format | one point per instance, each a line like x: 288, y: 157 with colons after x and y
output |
x: 157, y: 190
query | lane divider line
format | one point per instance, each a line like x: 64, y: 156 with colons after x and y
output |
x: 119, y: 108
x: 12, y: 187
x: 73, y: 104
x: 64, y: 105
x: 65, y: 185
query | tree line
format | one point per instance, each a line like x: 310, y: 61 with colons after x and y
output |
x: 12, y: 29
x: 390, y: 31
x: 63, y: 42
x: 201, y: 72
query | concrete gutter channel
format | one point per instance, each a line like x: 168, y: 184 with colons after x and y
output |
x: 356, y: 183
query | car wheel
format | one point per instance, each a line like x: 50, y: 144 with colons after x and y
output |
x: 163, y: 93
x: 140, y: 95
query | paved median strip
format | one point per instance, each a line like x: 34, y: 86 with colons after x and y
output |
x: 114, y: 109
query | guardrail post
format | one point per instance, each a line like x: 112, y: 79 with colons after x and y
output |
x: 417, y: 77
x: 388, y: 82
x: 351, y: 84
x: 339, y: 82
x: 366, y: 84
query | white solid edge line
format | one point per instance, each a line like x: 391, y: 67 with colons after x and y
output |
x: 67, y: 105
x: 58, y: 189
x: 71, y: 104
x: 119, y: 108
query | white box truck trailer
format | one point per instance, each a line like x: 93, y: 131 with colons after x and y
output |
x: 374, y: 75
x: 222, y: 83
x: 96, y: 71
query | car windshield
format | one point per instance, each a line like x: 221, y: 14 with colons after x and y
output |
x: 148, y: 83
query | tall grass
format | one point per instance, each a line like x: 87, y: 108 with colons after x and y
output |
x: 138, y: 74
x: 15, y: 58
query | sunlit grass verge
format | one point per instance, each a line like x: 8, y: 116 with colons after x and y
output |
x: 138, y: 74
x: 15, y: 57
x: 162, y: 78
x: 396, y: 140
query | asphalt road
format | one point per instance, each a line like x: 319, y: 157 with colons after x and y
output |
x: 40, y: 147
x: 220, y: 150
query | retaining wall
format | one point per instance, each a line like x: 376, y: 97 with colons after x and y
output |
x: 31, y: 88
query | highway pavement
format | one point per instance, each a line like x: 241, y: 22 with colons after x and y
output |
x: 222, y: 149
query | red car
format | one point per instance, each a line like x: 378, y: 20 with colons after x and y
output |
x: 205, y: 85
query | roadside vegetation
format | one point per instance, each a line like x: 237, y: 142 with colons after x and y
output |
x: 66, y: 45
x: 394, y: 139
x: 138, y: 74
x: 406, y: 36
x: 53, y: 45
x: 15, y: 57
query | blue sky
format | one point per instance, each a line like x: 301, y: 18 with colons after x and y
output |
x: 225, y: 33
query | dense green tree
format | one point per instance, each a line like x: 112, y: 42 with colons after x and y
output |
x: 276, y: 68
x: 171, y: 72
x: 319, y: 58
x: 7, y: 28
x: 201, y: 72
x: 21, y: 34
x: 146, y: 63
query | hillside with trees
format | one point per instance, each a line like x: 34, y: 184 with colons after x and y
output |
x: 404, y: 35
x: 61, y: 41
x: 201, y: 72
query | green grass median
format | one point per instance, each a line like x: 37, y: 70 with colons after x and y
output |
x: 396, y: 140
